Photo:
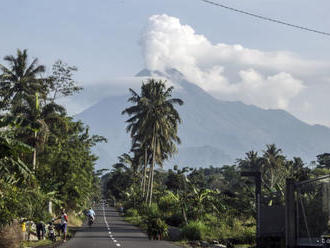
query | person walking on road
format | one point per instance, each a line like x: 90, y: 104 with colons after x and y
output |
x: 64, y: 224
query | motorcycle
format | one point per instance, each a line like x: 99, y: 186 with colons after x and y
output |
x: 90, y: 221
x: 51, y: 231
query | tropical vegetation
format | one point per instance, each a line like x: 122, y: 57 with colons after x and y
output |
x: 206, y: 203
x: 46, y: 159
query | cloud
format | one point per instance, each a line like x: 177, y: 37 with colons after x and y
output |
x: 94, y: 92
x: 228, y: 72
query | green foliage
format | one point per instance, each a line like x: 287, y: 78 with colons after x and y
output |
x: 44, y: 154
x: 156, y: 227
x: 153, y: 125
x: 132, y: 212
x: 151, y: 211
x: 194, y: 230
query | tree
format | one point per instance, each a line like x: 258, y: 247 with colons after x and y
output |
x: 323, y: 160
x: 154, y: 121
x: 35, y: 120
x: 20, y: 80
x: 60, y: 82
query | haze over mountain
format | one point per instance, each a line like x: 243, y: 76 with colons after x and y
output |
x: 213, y: 132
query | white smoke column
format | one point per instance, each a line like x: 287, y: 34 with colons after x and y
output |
x: 264, y: 79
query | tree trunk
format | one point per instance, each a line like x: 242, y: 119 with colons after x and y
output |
x: 184, y: 214
x: 152, y: 167
x: 151, y: 180
x: 148, y: 186
x: 144, y: 179
x: 34, y: 161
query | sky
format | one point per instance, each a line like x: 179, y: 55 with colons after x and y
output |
x: 232, y: 56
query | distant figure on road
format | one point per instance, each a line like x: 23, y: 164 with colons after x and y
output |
x: 91, y: 213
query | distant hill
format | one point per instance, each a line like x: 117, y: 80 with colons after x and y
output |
x: 213, y: 132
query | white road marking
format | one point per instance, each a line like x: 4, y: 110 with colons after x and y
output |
x: 108, y: 227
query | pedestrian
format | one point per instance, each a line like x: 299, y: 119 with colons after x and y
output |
x: 64, y: 223
x: 29, y: 229
x: 24, y: 229
x: 41, y: 230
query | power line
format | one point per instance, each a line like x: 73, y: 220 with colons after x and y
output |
x: 266, y: 18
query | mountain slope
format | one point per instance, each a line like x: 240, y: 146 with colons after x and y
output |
x: 213, y: 132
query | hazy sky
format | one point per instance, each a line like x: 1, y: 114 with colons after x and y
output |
x: 232, y: 56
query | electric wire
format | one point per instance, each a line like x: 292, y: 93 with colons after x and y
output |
x: 266, y: 18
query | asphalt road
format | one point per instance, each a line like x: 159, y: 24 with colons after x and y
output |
x: 109, y: 230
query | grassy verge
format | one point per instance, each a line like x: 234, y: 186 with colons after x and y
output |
x: 136, y: 221
x: 186, y: 244
x: 36, y: 243
x: 47, y: 243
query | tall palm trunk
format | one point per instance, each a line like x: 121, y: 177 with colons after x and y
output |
x: 144, y: 179
x: 152, y: 166
x: 34, y: 161
x: 148, y: 186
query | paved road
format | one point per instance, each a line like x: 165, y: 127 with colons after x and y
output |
x: 109, y: 230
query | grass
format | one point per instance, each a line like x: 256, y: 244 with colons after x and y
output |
x: 136, y: 221
x: 36, y: 243
x: 75, y: 220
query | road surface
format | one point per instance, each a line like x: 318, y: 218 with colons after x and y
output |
x: 109, y: 230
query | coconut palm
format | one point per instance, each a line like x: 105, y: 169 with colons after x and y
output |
x: 35, y: 119
x: 19, y: 79
x: 251, y: 162
x: 274, y: 166
x: 154, y: 120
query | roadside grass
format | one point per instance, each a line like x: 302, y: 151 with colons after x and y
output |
x: 186, y: 244
x: 136, y: 221
x: 36, y: 243
x: 75, y: 220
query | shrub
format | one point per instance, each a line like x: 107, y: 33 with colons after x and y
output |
x: 132, y: 212
x: 194, y: 230
x: 151, y: 211
x: 167, y: 203
x: 156, y: 227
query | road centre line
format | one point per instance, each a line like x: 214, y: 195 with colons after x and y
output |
x: 107, y: 224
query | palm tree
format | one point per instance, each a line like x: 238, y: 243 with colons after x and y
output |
x: 35, y: 119
x: 19, y: 79
x: 251, y: 162
x: 274, y: 166
x: 154, y: 120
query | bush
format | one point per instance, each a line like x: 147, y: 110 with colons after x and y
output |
x: 132, y: 212
x: 151, y: 211
x: 237, y: 231
x: 167, y: 203
x: 156, y: 228
x: 195, y: 230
